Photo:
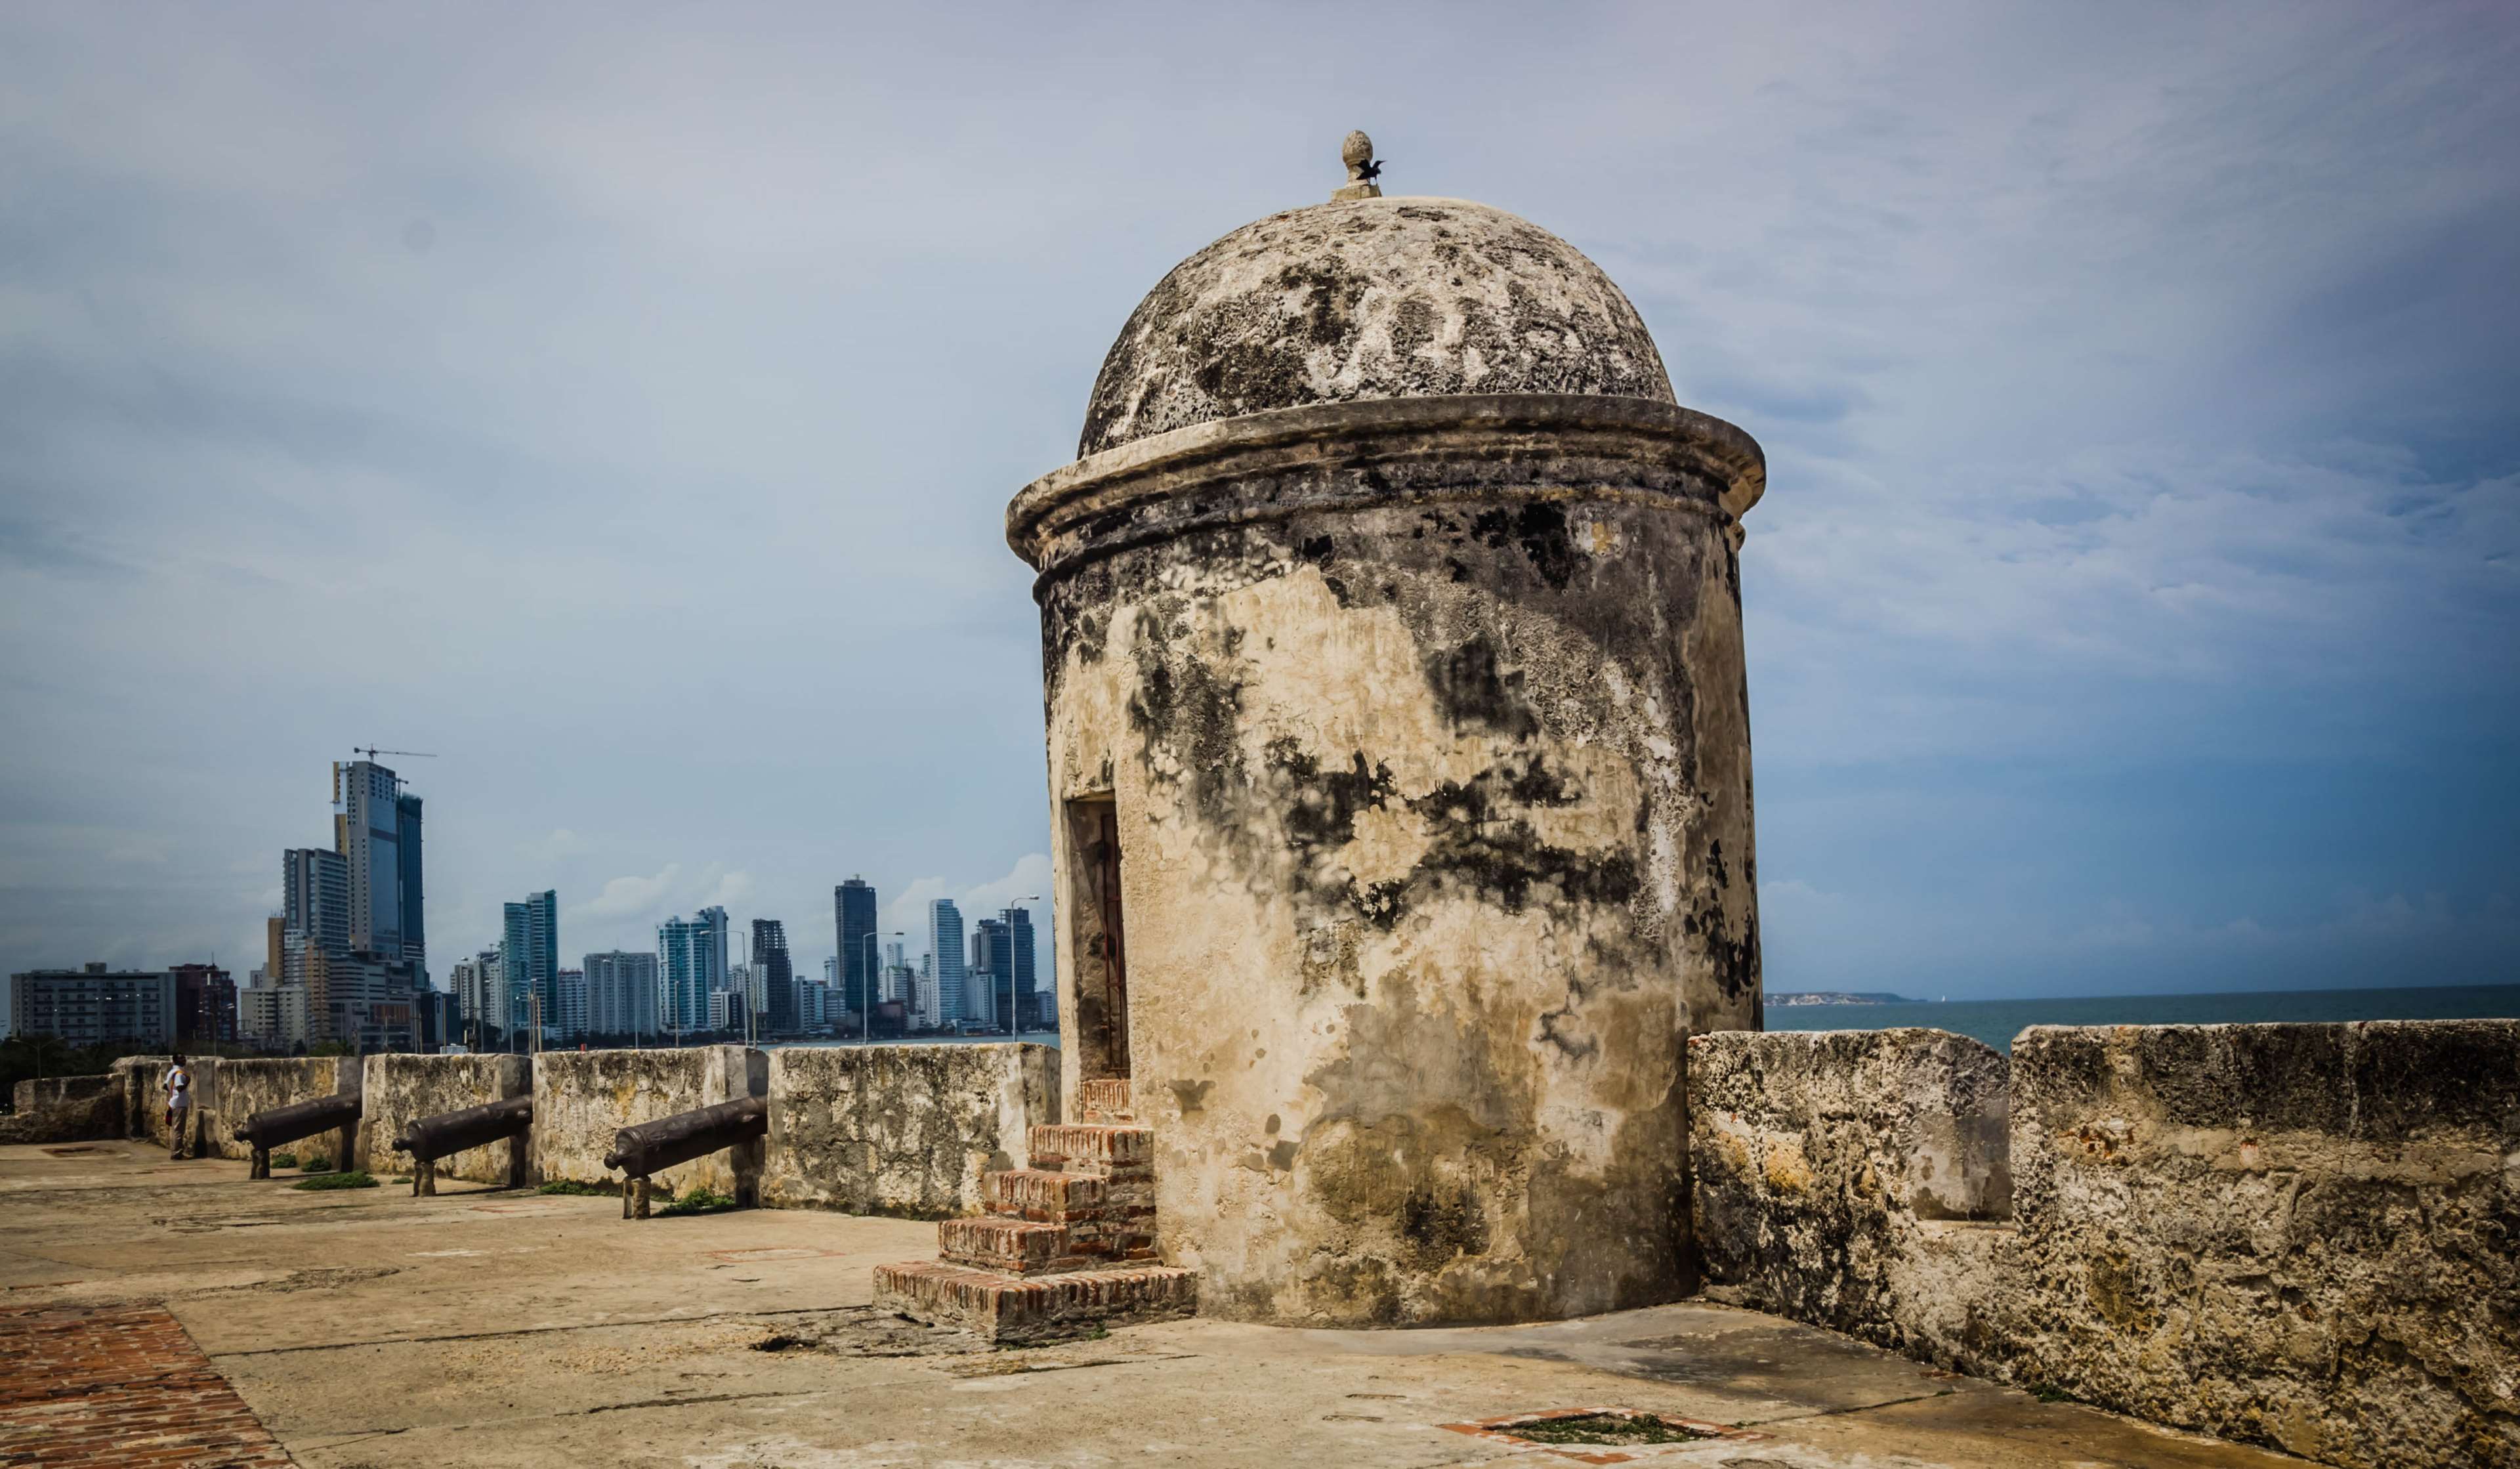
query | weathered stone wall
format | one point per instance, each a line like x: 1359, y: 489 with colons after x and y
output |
x: 1828, y: 1167
x: 582, y: 1098
x: 53, y: 1091
x: 399, y: 1090
x: 2297, y: 1235
x: 901, y: 1129
x: 242, y: 1088
x: 2306, y: 1235
x: 225, y: 1093
x: 65, y: 1109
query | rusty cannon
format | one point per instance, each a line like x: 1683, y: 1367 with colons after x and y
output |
x: 269, y: 1128
x: 428, y: 1138
x: 646, y: 1148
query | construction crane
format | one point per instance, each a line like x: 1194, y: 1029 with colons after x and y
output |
x: 372, y: 752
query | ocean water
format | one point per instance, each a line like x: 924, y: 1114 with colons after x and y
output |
x: 1997, y: 1022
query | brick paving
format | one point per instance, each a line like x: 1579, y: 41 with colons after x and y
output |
x: 118, y: 1385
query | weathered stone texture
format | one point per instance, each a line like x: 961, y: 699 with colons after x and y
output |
x: 2296, y: 1235
x: 901, y: 1129
x: 403, y: 1088
x: 1006, y: 1309
x: 1396, y: 611
x: 2299, y: 1234
x: 53, y: 1091
x: 65, y: 1109
x: 1375, y: 298
x: 1826, y: 1166
x: 226, y: 1092
x: 582, y: 1098
x: 240, y: 1088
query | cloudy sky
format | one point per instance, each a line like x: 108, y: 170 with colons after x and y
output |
x: 621, y: 404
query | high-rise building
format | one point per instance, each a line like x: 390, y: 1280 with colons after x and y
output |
x: 621, y: 994
x: 691, y: 966
x: 368, y: 1002
x: 854, y: 913
x: 205, y: 1004
x: 348, y: 934
x: 93, y: 1004
x: 415, y: 943
x: 992, y: 976
x: 382, y: 854
x: 926, y: 1006
x: 572, y: 1005
x: 774, y: 976
x: 720, y: 949
x: 315, y: 895
x: 482, y: 999
x: 529, y: 955
x: 270, y: 1014
x: 1032, y: 1005
x: 952, y: 968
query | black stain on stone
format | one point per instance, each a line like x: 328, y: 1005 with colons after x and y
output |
x: 1441, y: 1223
x: 1474, y: 691
x: 1321, y: 806
x: 1503, y: 859
x: 1191, y: 1095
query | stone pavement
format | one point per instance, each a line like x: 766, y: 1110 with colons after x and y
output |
x: 489, y: 1328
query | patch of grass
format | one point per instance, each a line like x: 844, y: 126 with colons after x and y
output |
x: 572, y: 1186
x: 283, y: 1160
x: 2048, y: 1393
x: 316, y: 1163
x: 1604, y: 1428
x: 700, y: 1198
x: 353, y: 1179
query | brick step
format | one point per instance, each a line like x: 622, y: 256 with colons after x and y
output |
x: 1105, y: 1100
x: 1090, y: 1147
x: 1014, y: 1246
x: 1045, y: 1197
x: 1003, y: 1308
x: 1023, y: 1247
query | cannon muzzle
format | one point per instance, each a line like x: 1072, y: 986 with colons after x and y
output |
x: 432, y: 1137
x: 270, y: 1129
x: 652, y: 1147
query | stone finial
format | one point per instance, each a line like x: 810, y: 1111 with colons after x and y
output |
x: 1357, y: 152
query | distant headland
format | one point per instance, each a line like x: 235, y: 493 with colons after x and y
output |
x: 1841, y: 997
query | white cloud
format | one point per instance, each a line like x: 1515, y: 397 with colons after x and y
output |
x: 630, y: 897
x: 561, y: 844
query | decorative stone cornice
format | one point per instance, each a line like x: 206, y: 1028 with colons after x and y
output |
x: 1333, y: 457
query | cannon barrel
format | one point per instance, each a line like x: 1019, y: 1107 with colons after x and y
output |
x: 651, y: 1147
x: 279, y: 1125
x: 432, y: 1137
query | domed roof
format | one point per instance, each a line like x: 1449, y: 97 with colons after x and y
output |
x: 1369, y: 299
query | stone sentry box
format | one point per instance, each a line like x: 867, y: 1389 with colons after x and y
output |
x: 1398, y: 742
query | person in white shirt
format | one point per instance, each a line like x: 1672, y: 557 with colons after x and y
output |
x: 179, y: 1105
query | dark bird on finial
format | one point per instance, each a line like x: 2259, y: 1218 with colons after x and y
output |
x: 1357, y: 152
